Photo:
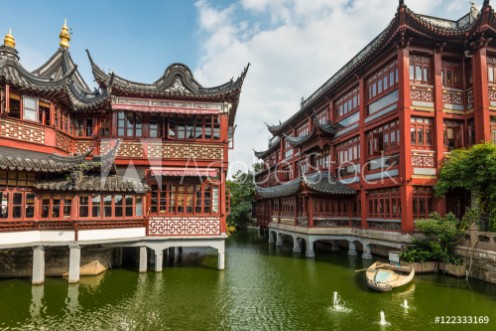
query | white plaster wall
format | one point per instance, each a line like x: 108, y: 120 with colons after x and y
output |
x: 49, y: 236
x: 19, y: 237
x: 109, y: 234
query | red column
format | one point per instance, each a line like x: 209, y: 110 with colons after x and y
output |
x: 222, y: 199
x: 405, y: 169
x: 310, y: 211
x: 52, y: 114
x: 440, y: 204
x: 481, y: 96
x: 224, y: 138
x: 363, y: 151
x: 224, y: 135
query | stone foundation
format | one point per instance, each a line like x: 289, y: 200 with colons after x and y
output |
x: 19, y: 262
x: 483, y: 263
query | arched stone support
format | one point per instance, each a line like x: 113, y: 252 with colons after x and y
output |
x: 143, y: 259
x: 366, y: 255
x: 38, y: 276
x: 352, y: 249
x: 74, y: 263
x: 310, y: 253
x: 220, y: 259
x: 271, y: 236
x: 279, y: 239
x: 170, y: 245
x: 296, y: 245
x: 159, y: 260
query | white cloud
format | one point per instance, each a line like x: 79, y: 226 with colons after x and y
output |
x: 294, y: 47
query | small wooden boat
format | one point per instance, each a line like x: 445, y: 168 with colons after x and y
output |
x: 383, y: 277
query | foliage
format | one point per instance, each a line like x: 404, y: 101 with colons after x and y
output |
x: 472, y: 169
x: 442, y: 234
x: 242, y: 190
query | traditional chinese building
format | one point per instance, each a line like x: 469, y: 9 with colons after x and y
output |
x: 125, y: 165
x: 362, y: 154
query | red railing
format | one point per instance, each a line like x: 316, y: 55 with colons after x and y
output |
x: 422, y: 93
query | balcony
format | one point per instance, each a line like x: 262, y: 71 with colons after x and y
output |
x: 453, y: 100
x: 422, y: 97
x: 424, y: 163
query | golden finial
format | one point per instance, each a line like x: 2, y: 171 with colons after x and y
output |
x: 64, y: 35
x: 9, y: 40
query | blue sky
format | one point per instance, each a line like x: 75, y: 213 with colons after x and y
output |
x: 138, y: 39
x: 293, y: 46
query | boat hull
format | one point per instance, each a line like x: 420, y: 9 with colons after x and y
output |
x: 385, y: 277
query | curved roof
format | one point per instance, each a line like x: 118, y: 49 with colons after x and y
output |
x: 283, y: 190
x: 177, y: 82
x: 58, y: 65
x: 111, y: 183
x: 12, y: 159
x: 318, y: 182
x: 272, y: 147
x: 61, y: 84
x: 406, y: 23
x: 297, y: 141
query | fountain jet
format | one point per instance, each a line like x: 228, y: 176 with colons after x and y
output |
x: 383, y: 319
x: 338, y: 304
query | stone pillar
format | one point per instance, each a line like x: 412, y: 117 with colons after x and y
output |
x: 366, y: 255
x: 309, y: 253
x: 74, y: 263
x: 279, y: 239
x: 159, y: 259
x: 335, y: 246
x: 143, y: 259
x: 296, y: 245
x: 38, y: 265
x: 271, y: 237
x: 220, y: 261
x: 352, y: 249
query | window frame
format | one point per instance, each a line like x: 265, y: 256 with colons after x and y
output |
x: 420, y: 65
x: 423, y: 125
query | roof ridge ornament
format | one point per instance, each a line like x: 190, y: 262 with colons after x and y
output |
x: 474, y: 11
x: 9, y: 40
x: 64, y: 36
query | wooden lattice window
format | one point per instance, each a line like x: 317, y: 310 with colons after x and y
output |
x: 420, y: 69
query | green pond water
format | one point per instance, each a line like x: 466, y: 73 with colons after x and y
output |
x: 264, y: 287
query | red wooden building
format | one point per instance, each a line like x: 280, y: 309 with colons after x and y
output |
x: 364, y: 150
x: 125, y: 162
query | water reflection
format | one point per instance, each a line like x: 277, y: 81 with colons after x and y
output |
x: 37, y: 293
x: 262, y: 288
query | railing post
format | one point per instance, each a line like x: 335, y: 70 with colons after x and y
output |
x: 473, y: 234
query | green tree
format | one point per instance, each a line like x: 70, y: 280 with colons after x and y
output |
x: 441, y: 236
x: 472, y: 169
x: 242, y: 191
